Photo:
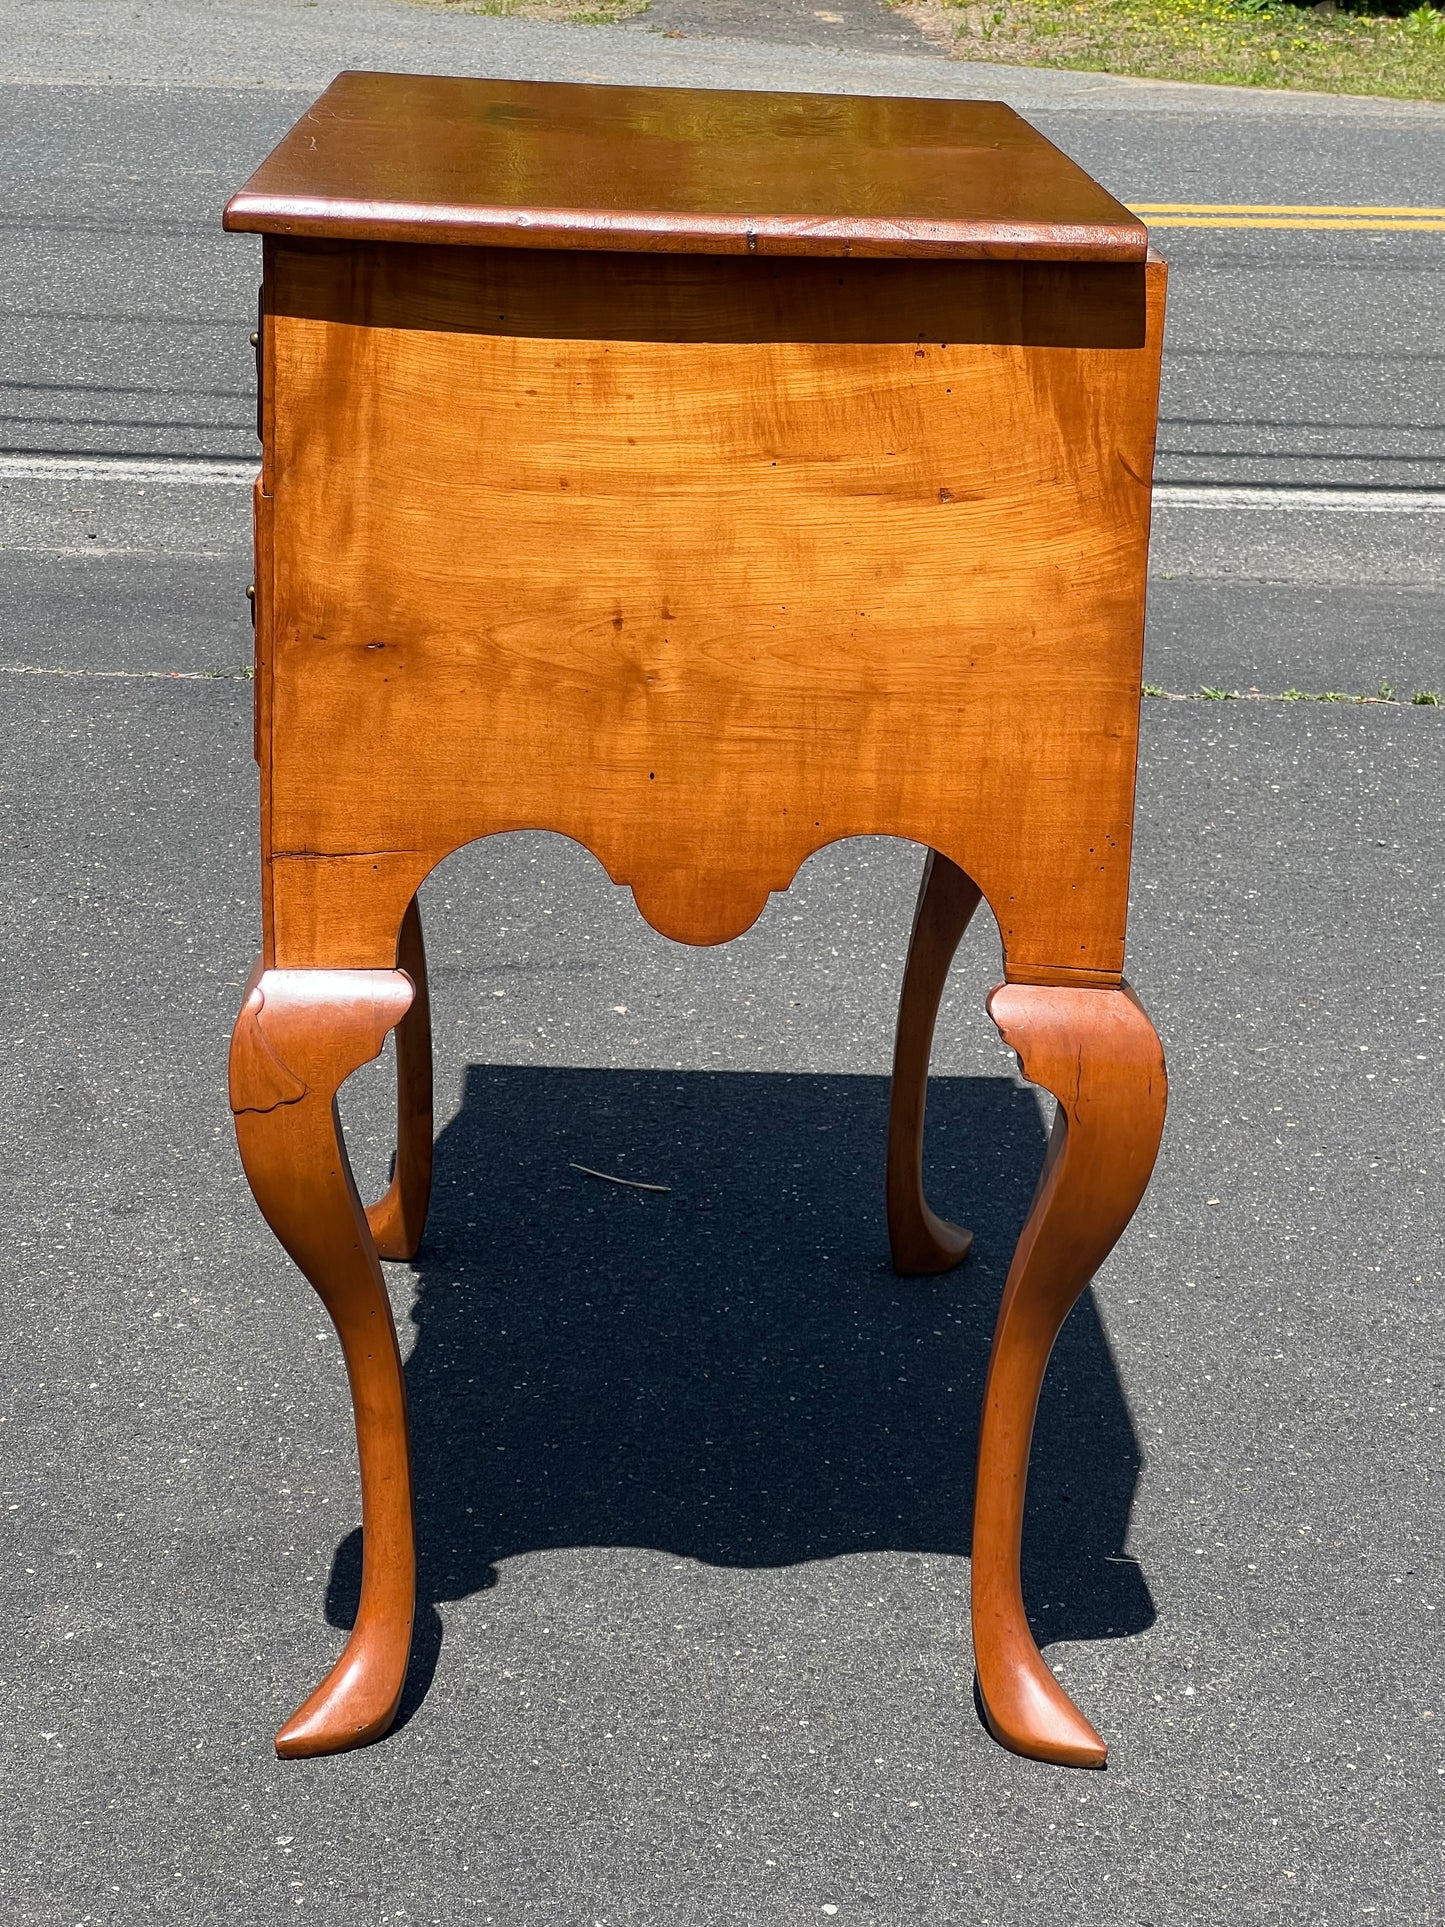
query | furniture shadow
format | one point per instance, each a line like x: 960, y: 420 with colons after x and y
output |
x: 729, y: 1370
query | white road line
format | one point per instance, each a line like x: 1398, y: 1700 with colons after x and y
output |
x: 1352, y: 501
x: 125, y: 468
x: 172, y: 470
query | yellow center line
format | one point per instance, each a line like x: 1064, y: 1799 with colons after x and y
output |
x: 1268, y: 214
x: 1270, y: 207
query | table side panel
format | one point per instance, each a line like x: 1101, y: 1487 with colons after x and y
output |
x: 705, y: 563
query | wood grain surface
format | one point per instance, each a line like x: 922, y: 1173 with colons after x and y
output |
x: 1097, y: 1052
x: 671, y: 514
x: 299, y: 1036
x: 398, y: 1217
x: 403, y: 157
x: 706, y: 564
x: 920, y: 1242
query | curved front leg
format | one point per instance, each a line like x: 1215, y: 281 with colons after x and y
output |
x: 922, y: 1242
x: 398, y: 1218
x: 300, y: 1035
x: 1098, y: 1053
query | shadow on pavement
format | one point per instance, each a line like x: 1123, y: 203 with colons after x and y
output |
x: 731, y: 1372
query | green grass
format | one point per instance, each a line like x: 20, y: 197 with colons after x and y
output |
x: 1422, y: 698
x: 1250, y: 43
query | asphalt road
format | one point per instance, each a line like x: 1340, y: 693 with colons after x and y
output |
x: 694, y: 1470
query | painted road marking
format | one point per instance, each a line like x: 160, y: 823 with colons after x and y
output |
x: 126, y: 468
x: 1259, y: 495
x: 1263, y: 214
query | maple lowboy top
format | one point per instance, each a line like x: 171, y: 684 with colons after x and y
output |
x: 399, y: 157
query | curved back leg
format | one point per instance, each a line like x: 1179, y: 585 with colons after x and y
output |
x: 922, y: 1242
x: 300, y: 1035
x: 1098, y: 1053
x: 398, y: 1218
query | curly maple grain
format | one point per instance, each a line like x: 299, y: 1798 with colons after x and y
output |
x: 398, y: 1219
x: 921, y: 1242
x: 891, y: 582
x: 300, y: 1035
x: 1099, y: 1055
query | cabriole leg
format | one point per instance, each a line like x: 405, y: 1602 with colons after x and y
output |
x: 920, y: 1241
x: 300, y: 1035
x: 398, y: 1219
x: 1098, y: 1053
